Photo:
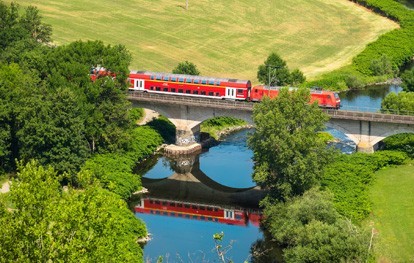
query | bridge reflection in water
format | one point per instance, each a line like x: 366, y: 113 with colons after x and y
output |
x: 189, y: 193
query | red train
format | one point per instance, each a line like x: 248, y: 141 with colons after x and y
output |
x: 218, y: 88
x: 198, y: 211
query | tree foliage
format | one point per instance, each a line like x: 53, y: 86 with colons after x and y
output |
x: 274, y: 69
x: 288, y: 153
x: 48, y: 223
x: 401, y: 103
x: 186, y: 67
x: 310, y: 230
x: 408, y: 80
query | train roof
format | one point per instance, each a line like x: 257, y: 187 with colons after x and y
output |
x: 195, y: 77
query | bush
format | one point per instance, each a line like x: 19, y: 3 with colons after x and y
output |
x: 349, y: 177
x: 400, y: 142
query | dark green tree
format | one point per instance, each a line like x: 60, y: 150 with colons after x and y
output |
x: 186, y: 67
x: 408, y: 80
x: 48, y: 223
x: 401, y: 103
x: 289, y: 155
x: 274, y: 69
x: 31, y: 21
x: 297, y: 77
x: 310, y: 230
x: 53, y: 130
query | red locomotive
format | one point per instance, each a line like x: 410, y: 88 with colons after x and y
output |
x: 198, y: 211
x: 217, y: 88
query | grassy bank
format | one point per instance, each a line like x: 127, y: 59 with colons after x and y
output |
x: 392, y: 196
x: 223, y: 38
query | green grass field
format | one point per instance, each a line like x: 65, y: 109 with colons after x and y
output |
x: 223, y: 38
x: 393, y: 214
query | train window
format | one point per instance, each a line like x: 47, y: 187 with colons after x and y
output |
x: 215, y: 219
x: 202, y: 208
x: 152, y: 88
x: 172, y: 214
x: 172, y: 90
x: 209, y: 219
x: 209, y: 209
x: 164, y: 203
x: 157, y: 212
x: 179, y: 205
x: 217, y: 94
x: 194, y: 207
x: 172, y: 204
x: 215, y: 209
x: 158, y: 77
x: 188, y: 91
x: 188, y: 80
x: 165, y: 213
x: 218, y: 83
x: 187, y: 216
x: 166, y: 78
x: 181, y: 79
x: 180, y: 90
x: 239, y: 91
x: 211, y: 93
x: 152, y: 77
x: 195, y: 92
x: 202, y: 218
x: 165, y: 89
x: 238, y: 217
x: 152, y: 212
x: 157, y: 202
x: 180, y: 215
x: 211, y: 82
x: 203, y: 93
x: 195, y: 217
x: 196, y: 81
x: 204, y: 81
x: 157, y: 88
x: 151, y: 202
x: 173, y: 79
x: 187, y: 206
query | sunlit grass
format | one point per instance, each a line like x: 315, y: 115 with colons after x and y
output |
x: 223, y: 38
x: 393, y: 214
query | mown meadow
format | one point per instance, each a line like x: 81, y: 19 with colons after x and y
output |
x: 223, y: 38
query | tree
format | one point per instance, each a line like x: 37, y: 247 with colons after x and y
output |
x: 310, y: 230
x: 186, y: 67
x: 408, y: 80
x: 275, y: 70
x: 401, y: 103
x: 48, y: 223
x: 297, y: 77
x: 31, y: 21
x: 288, y: 153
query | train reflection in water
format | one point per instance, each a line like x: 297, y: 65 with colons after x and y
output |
x: 204, y: 212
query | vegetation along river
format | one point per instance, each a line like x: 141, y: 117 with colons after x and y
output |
x: 193, y: 197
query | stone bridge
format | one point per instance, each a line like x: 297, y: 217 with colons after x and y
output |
x: 366, y: 129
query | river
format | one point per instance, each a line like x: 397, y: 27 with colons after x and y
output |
x: 193, y: 197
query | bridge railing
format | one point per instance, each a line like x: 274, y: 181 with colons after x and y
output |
x: 243, y: 105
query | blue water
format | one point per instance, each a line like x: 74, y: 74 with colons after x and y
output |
x: 191, y: 240
x: 368, y: 99
x: 187, y: 240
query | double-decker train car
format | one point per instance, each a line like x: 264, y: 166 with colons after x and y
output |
x: 189, y: 85
x: 196, y: 211
x: 324, y: 98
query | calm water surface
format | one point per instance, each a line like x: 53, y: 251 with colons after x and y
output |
x: 191, y: 240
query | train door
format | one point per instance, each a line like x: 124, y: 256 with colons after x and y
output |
x: 230, y: 93
x: 139, y: 84
x: 228, y: 214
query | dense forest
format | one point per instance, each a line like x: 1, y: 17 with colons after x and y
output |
x: 69, y: 202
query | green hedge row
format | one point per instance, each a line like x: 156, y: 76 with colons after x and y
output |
x: 349, y: 177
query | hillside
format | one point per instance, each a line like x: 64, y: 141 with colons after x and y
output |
x: 223, y: 38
